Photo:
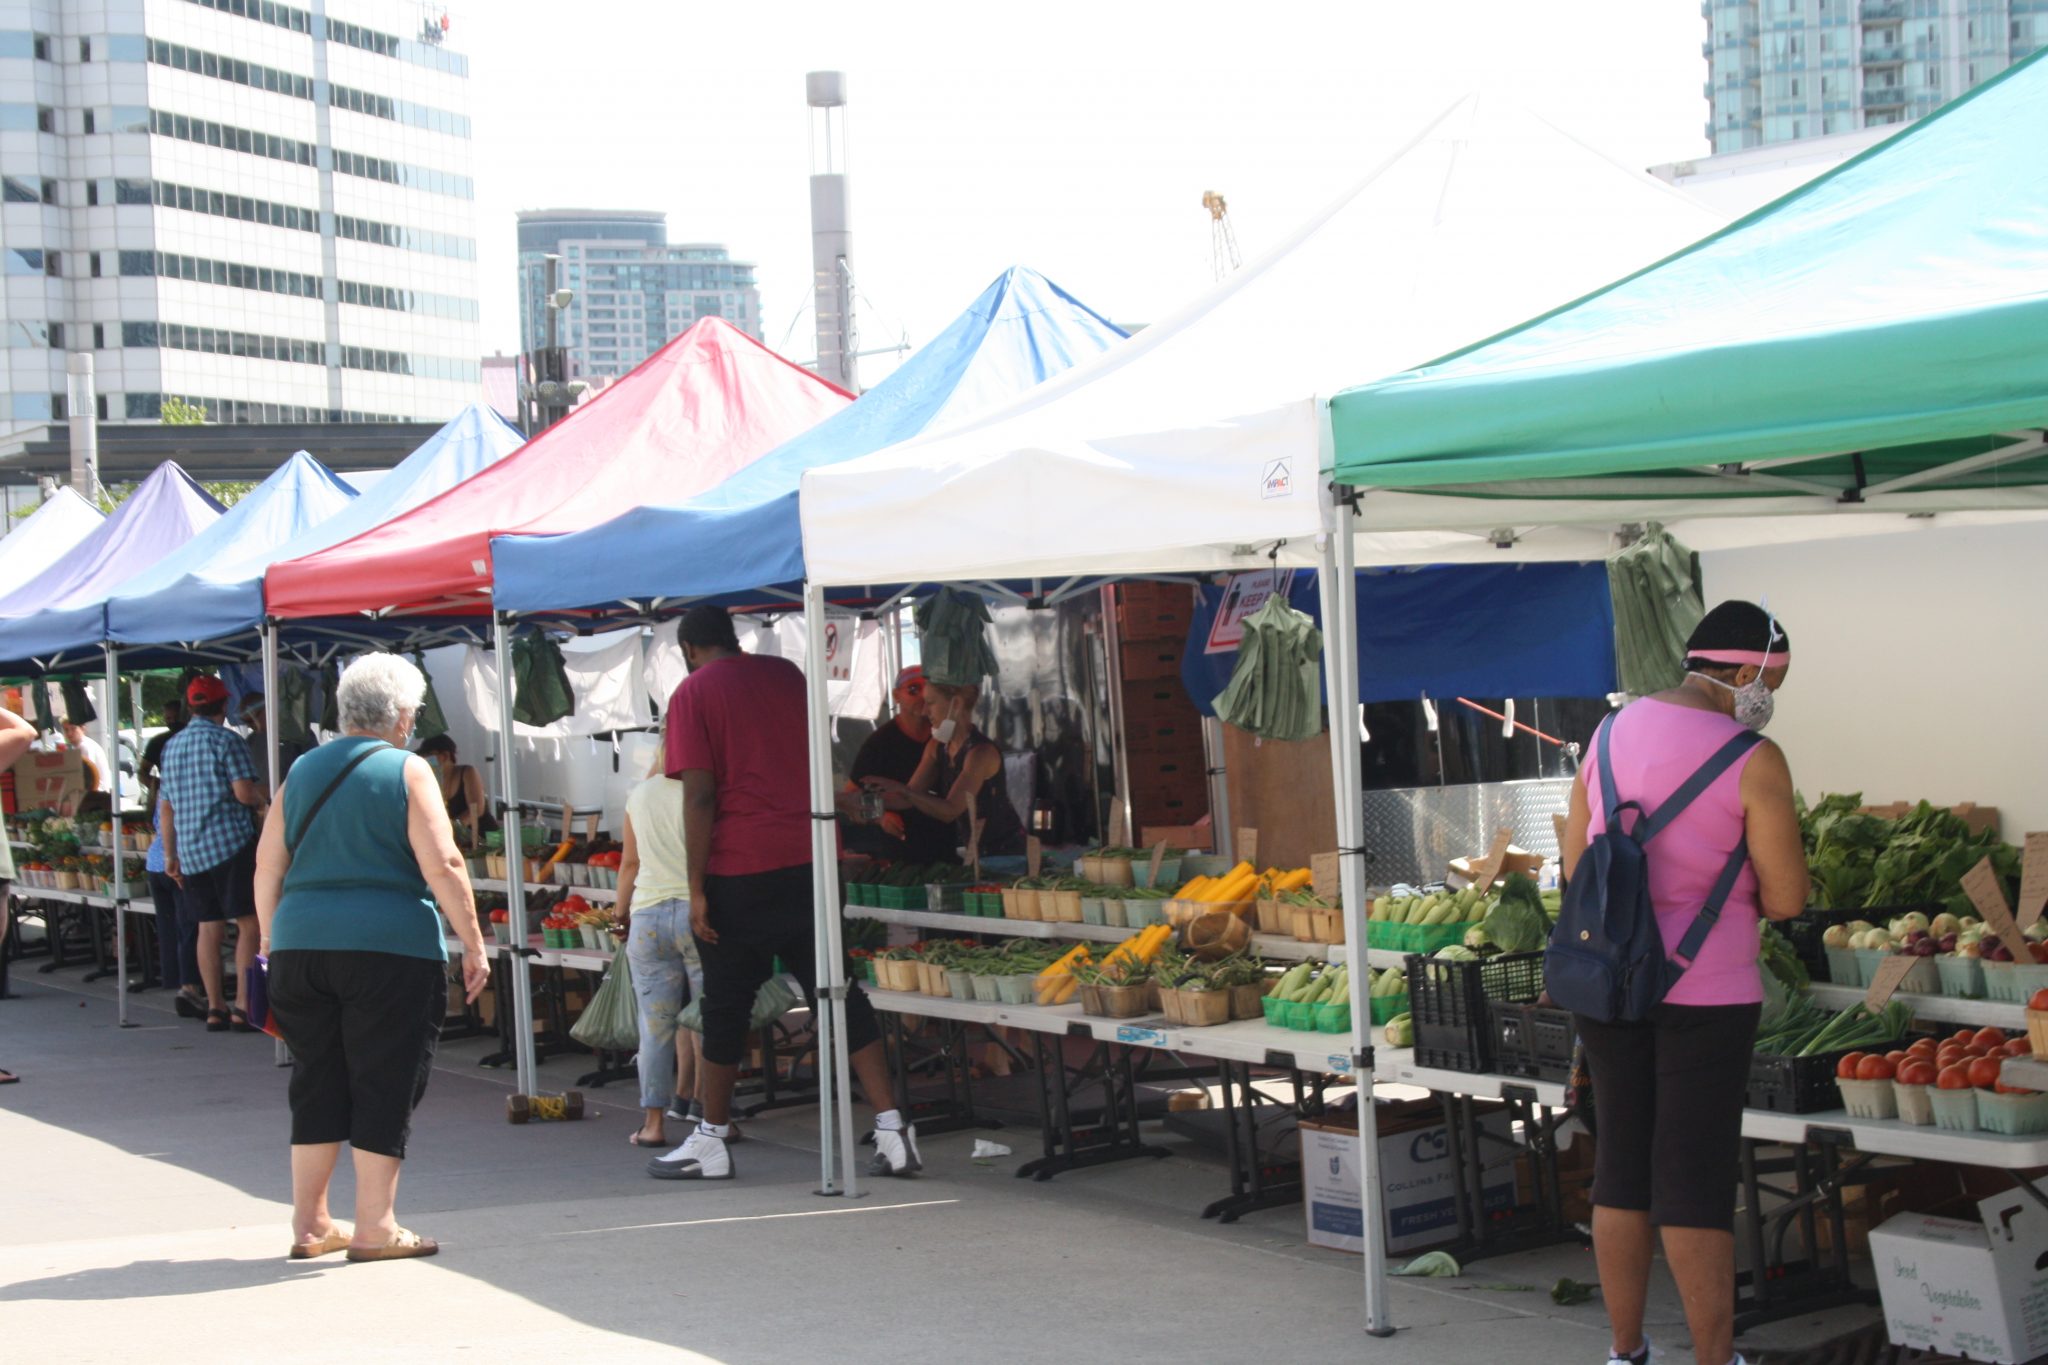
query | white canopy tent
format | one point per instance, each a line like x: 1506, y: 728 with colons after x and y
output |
x: 1199, y: 437
x: 1136, y: 463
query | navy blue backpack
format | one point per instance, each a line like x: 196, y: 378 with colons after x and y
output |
x: 1606, y: 958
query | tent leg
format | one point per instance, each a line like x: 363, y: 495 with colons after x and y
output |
x: 1339, y: 584
x: 515, y: 863
x: 1219, y: 788
x: 836, y: 1152
x: 110, y: 737
x: 270, y: 705
x: 1113, y: 678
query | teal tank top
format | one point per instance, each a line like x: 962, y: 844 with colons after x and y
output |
x: 354, y: 884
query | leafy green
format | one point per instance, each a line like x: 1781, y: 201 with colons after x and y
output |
x: 1862, y: 861
x: 1516, y: 923
x: 1777, y: 954
x: 1569, y: 1292
x: 1438, y: 1264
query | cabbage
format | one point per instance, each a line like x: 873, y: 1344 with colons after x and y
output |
x: 1456, y: 952
x: 1516, y: 923
x: 1438, y: 1264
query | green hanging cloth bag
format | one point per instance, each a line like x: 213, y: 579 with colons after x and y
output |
x: 611, y: 1021
x: 540, y: 681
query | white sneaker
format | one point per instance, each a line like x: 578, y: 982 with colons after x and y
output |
x: 1642, y: 1357
x: 896, y: 1152
x: 701, y: 1157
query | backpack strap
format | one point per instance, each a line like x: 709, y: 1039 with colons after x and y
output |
x: 1610, y: 795
x: 1710, y: 772
x: 291, y: 842
x: 1703, y: 924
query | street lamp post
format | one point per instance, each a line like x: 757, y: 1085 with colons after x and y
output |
x: 550, y: 390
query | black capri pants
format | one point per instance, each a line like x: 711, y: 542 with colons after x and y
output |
x: 362, y: 1029
x: 759, y: 917
x: 1670, y: 1094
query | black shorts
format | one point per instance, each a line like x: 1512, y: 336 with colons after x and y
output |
x: 362, y: 1029
x: 1670, y: 1095
x: 759, y: 917
x: 224, y: 891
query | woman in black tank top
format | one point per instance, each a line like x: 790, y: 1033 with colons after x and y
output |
x: 958, y: 775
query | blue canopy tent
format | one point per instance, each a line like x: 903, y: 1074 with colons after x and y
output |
x: 220, y: 599
x: 1494, y: 630
x: 740, y: 541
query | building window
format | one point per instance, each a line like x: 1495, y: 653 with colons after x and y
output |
x: 92, y: 193
x: 85, y: 49
x: 53, y: 263
x: 46, y: 119
x: 42, y: 47
x: 88, y: 121
x: 99, y: 343
x: 49, y: 190
x: 95, y: 259
x: 56, y: 336
x: 15, y: 191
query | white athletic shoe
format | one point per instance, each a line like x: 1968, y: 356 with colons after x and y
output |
x: 1647, y: 1354
x: 896, y: 1152
x: 701, y: 1157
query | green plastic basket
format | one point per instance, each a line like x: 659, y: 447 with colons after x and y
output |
x: 1414, y: 938
x: 1385, y: 1007
x: 1334, y: 1017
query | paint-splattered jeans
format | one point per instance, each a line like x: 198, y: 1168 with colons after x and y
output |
x: 666, y: 975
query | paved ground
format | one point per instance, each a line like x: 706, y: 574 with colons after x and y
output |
x: 145, y: 1199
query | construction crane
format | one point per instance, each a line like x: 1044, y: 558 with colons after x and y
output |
x: 1223, y: 256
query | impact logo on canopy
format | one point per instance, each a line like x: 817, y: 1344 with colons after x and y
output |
x: 1278, y: 481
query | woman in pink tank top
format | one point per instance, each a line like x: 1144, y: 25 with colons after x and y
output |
x: 1670, y: 1089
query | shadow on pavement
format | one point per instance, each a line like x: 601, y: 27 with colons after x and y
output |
x: 162, y: 1279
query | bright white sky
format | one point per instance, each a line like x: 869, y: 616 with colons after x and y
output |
x: 1073, y: 136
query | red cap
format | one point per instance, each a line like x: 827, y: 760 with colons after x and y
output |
x: 206, y: 690
x: 913, y: 675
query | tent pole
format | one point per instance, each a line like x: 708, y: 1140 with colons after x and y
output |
x: 110, y: 736
x: 272, y: 740
x: 1339, y: 585
x: 1113, y: 679
x: 515, y: 863
x: 1219, y: 788
x: 835, y: 1097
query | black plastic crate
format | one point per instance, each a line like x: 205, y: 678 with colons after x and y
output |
x: 1447, y: 1001
x: 1532, y: 1041
x: 1794, y: 1085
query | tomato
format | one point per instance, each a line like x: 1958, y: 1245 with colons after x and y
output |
x: 1965, y: 1036
x: 1846, y: 1068
x: 1916, y: 1072
x: 1953, y: 1078
x: 2004, y: 1089
x: 1925, y: 1047
x: 1896, y: 1056
x: 2040, y: 1000
x: 1875, y: 1068
x: 2018, y: 1047
x: 1990, y: 1038
x: 1978, y: 1050
x: 1984, y: 1072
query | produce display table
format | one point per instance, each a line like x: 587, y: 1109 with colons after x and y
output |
x: 1269, y: 946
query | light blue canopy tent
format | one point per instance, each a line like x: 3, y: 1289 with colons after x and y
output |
x: 741, y: 540
x: 222, y: 596
x: 298, y: 494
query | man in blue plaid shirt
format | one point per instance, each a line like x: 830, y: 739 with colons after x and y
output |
x: 213, y: 805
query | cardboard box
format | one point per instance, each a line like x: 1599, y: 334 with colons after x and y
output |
x: 47, y: 780
x: 1416, y: 1180
x: 1976, y: 1289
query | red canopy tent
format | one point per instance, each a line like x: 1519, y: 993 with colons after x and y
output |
x: 689, y: 416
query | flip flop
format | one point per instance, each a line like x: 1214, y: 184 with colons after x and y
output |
x: 403, y: 1245
x: 240, y: 1021
x: 216, y: 1021
x: 9, y: 1078
x: 334, y: 1241
x: 636, y: 1140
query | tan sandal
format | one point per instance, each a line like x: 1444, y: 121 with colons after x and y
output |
x: 404, y: 1243
x: 334, y: 1241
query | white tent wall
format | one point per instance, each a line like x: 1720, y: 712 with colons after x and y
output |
x: 1918, y: 663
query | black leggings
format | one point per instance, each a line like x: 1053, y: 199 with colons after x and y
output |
x: 362, y: 1029
x: 759, y: 917
x: 1670, y: 1096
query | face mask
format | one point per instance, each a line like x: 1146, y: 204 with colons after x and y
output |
x: 944, y: 731
x: 1754, y: 701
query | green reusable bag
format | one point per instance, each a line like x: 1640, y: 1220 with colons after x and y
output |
x: 611, y: 1021
x: 1655, y: 585
x: 1275, y: 691
x: 771, y: 1002
x: 540, y: 680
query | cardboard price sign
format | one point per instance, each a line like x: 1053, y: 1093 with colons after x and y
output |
x: 1325, y: 875
x: 1980, y: 883
x: 2033, y: 880
x: 1890, y: 973
x: 1248, y: 846
x: 1119, y: 825
x: 1034, y: 854
x: 1488, y: 872
x: 1158, y: 857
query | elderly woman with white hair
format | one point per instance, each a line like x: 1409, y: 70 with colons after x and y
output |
x: 355, y: 854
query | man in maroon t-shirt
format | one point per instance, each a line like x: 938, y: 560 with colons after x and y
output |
x: 738, y: 741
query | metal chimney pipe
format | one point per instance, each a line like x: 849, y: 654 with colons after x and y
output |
x: 81, y: 396
x: 831, y: 227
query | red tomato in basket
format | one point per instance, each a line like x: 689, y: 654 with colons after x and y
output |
x: 1925, y: 1047
x: 1990, y: 1039
x: 1963, y: 1036
x: 1845, y: 1070
x: 1953, y: 1078
x: 1984, y: 1072
x: 2018, y: 1047
x: 1916, y: 1072
x: 1875, y: 1068
x: 2004, y: 1089
x: 2040, y: 1000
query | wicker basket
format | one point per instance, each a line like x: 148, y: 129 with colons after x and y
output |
x: 2037, y: 1032
x: 1317, y: 926
x: 1246, y: 1002
x: 1195, y: 1009
x: 1216, y: 935
x: 1276, y: 917
x: 1062, y: 907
